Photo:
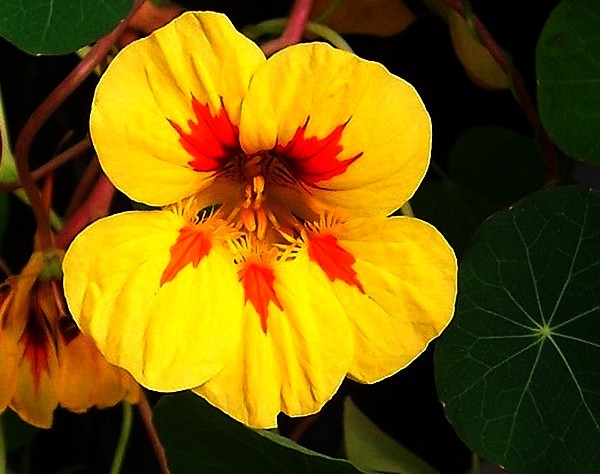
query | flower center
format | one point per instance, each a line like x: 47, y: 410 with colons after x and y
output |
x: 255, y: 194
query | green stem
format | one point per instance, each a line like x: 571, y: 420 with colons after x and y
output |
x: 438, y: 169
x: 123, y: 438
x: 475, y: 464
x: 329, y: 35
x: 331, y: 9
x: 276, y: 25
x: 517, y: 82
x: 2, y: 450
x: 407, y: 210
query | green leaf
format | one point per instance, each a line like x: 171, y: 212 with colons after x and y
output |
x: 200, y: 438
x: 517, y: 369
x: 372, y: 450
x: 17, y: 433
x: 488, y: 168
x: 58, y: 26
x: 568, y: 70
x: 497, y: 164
x: 455, y: 212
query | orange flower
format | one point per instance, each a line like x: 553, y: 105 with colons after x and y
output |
x: 46, y: 361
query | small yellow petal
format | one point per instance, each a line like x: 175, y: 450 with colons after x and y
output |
x: 479, y: 64
x: 169, y: 335
x: 9, y: 354
x: 36, y: 395
x: 385, y: 129
x: 86, y: 379
x: 150, y: 85
x: 475, y: 57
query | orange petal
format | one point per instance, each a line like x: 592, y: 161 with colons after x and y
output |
x: 86, y: 379
x: 36, y: 394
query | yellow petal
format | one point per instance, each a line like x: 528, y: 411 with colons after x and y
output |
x: 476, y: 59
x: 150, y: 84
x: 36, y: 396
x: 386, y: 131
x: 86, y: 379
x: 297, y: 364
x: 9, y: 354
x: 169, y: 336
x: 402, y: 294
x: 479, y: 64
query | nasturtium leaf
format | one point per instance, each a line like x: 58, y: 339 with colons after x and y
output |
x: 455, y: 211
x: 517, y: 369
x: 17, y: 433
x: 489, y: 168
x: 373, y: 450
x: 568, y: 71
x: 58, y: 26
x: 200, y: 438
x: 497, y: 163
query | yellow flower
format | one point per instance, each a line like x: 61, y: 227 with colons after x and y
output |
x: 272, y: 271
x: 46, y: 361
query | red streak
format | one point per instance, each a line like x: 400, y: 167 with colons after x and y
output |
x: 258, y: 289
x: 313, y: 160
x: 333, y: 259
x: 191, y: 246
x: 212, y: 140
x: 36, y: 343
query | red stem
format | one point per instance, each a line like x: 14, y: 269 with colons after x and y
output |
x: 82, y: 190
x: 95, y: 206
x: 294, y: 29
x: 519, y: 88
x: 56, y: 162
x: 41, y: 115
x: 146, y: 414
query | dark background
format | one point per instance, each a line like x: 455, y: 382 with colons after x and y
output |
x: 405, y: 405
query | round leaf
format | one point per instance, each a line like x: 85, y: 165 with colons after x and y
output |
x: 488, y: 168
x: 568, y: 69
x: 497, y: 163
x: 58, y: 26
x: 517, y: 369
x: 200, y: 438
x: 453, y: 210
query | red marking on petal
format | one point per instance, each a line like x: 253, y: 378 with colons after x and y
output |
x: 258, y: 289
x: 212, y: 140
x: 336, y: 262
x: 313, y: 160
x: 36, y: 343
x: 191, y: 246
